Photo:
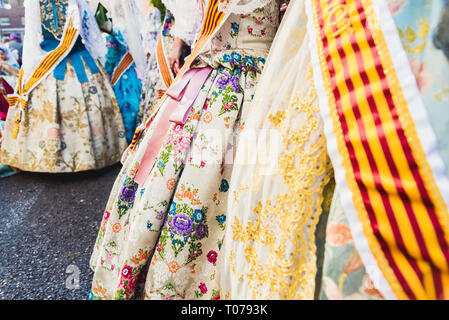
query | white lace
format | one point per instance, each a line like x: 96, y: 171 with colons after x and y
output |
x: 152, y: 26
x: 242, y: 6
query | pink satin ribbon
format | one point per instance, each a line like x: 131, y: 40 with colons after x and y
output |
x: 181, y: 96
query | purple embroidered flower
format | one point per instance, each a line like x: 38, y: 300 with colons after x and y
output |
x: 128, y: 193
x: 182, y: 224
x: 223, y: 81
x: 200, y: 230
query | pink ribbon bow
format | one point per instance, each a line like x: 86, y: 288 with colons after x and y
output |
x: 181, y: 96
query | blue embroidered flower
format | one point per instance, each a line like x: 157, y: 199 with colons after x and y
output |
x: 236, y: 56
x: 226, y: 58
x: 224, y: 186
x: 173, y: 208
x: 221, y: 218
x: 249, y: 60
x: 261, y: 60
x: 198, y: 215
x: 160, y: 164
x: 149, y: 225
x: 235, y: 27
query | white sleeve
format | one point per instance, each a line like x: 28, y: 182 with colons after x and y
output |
x: 188, y: 19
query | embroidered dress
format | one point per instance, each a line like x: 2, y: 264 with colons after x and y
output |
x: 153, y: 84
x: 169, y: 229
x: 71, y: 121
x: 128, y: 88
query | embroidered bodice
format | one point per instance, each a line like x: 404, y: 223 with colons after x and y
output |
x: 245, y: 36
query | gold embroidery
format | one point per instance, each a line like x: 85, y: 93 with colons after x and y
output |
x: 47, y: 18
x: 286, y: 227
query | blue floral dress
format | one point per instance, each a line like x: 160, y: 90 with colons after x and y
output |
x: 128, y: 88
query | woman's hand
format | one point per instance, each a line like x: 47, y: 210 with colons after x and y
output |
x: 175, y: 54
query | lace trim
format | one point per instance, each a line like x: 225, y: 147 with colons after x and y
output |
x: 242, y: 6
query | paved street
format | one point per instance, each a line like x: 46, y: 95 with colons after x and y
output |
x: 48, y: 225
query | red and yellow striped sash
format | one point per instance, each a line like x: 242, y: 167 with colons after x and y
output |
x: 43, y: 69
x: 400, y: 208
x: 212, y: 20
x: 121, y: 68
x: 162, y: 62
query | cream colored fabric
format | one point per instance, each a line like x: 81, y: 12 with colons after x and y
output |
x: 279, y: 176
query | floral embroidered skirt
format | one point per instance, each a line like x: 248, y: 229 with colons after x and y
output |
x: 67, y: 126
x: 166, y: 234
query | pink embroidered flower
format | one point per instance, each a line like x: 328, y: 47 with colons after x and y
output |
x: 131, y: 285
x: 250, y: 30
x: 159, y: 247
x: 106, y: 215
x: 203, y: 288
x: 229, y: 106
x: 127, y: 272
x: 206, y: 104
x: 166, y: 297
x: 338, y: 234
x: 178, y: 129
x: 53, y: 133
x: 217, y: 297
x: 184, y: 143
x: 212, y: 256
x: 203, y: 164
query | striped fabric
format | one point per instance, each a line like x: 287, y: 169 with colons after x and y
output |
x: 162, y: 62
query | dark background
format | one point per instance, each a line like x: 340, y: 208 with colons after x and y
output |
x: 49, y: 222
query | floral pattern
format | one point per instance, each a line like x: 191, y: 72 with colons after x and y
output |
x: 344, y: 274
x: 67, y: 126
